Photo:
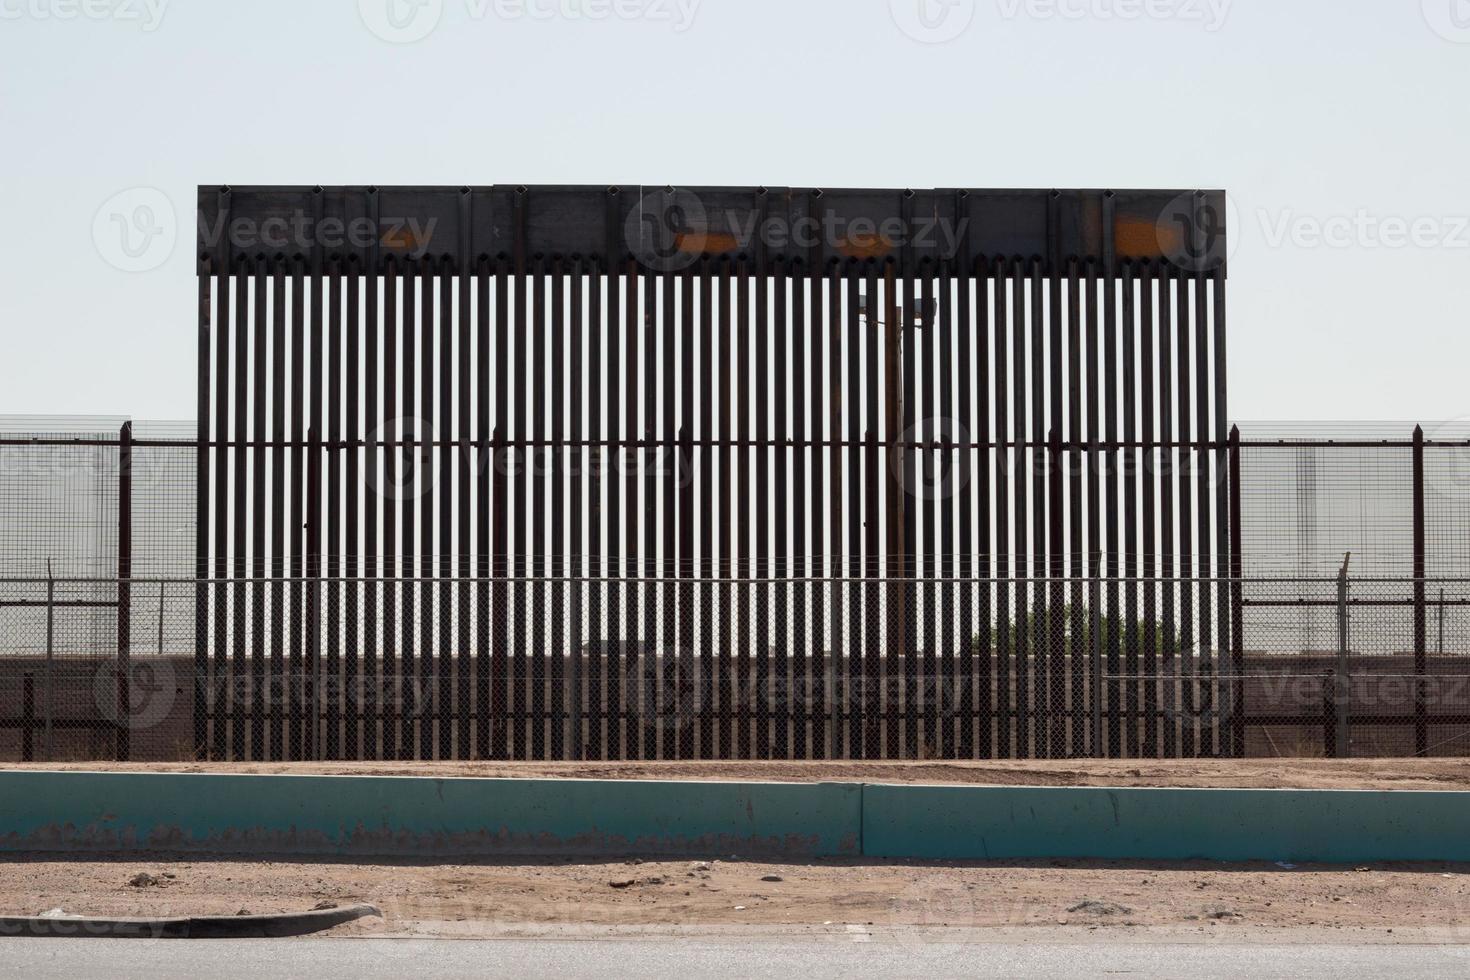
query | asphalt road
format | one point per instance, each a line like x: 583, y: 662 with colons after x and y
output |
x: 325, y: 959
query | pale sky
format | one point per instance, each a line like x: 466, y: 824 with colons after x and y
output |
x: 1339, y: 127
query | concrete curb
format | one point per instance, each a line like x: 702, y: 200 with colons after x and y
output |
x: 406, y: 816
x: 187, y: 927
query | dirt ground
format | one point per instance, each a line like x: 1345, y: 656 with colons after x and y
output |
x: 482, y: 897
x: 1438, y: 774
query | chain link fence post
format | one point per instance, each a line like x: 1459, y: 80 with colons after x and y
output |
x: 1342, y: 682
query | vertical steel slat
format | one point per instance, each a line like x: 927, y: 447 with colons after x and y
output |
x: 278, y: 454
x: 410, y: 691
x: 392, y: 432
x: 352, y: 482
x: 1166, y: 503
x: 925, y: 686
x: 960, y: 325
x: 1092, y: 345
x: 201, y: 515
x: 445, y: 637
x: 501, y: 626
x: 373, y: 428
x: 781, y: 490
x: 876, y: 674
x: 556, y: 666
x: 686, y: 687
x: 1130, y: 473
x: 257, y: 567
x: 799, y: 685
x: 1055, y: 518
x: 1035, y: 462
x: 741, y: 553
x: 989, y: 731
x: 485, y: 460
x: 332, y: 692
x: 1184, y: 688
x: 668, y: 615
x: 515, y: 424
x: 427, y: 456
x: 705, y: 473
x: 464, y: 630
x: 947, y: 686
x: 1206, y: 700
x: 576, y: 550
x: 764, y: 492
x: 536, y: 455
x: 606, y: 711
x: 814, y: 685
x: 900, y: 407
x: 838, y: 395
x: 856, y: 699
x: 941, y: 685
x: 1008, y: 707
x: 640, y: 722
x: 634, y: 456
x: 1076, y: 509
x: 1023, y: 644
x: 1150, y: 464
x: 222, y: 686
x: 316, y: 384
x: 726, y: 686
x: 296, y: 546
x: 1111, y: 507
x: 597, y: 637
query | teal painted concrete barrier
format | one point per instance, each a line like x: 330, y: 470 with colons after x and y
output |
x: 414, y: 815
x: 1331, y: 826
x: 406, y: 815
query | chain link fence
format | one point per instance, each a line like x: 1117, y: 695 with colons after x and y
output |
x: 562, y: 668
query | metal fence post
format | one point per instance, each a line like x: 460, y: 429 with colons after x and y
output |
x: 50, y: 655
x: 1340, y: 690
x: 1099, y: 749
x: 1421, y: 724
x: 124, y: 588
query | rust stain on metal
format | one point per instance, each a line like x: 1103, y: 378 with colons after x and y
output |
x: 865, y: 246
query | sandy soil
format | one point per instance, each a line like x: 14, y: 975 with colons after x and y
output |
x: 455, y: 899
x: 1267, y: 773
